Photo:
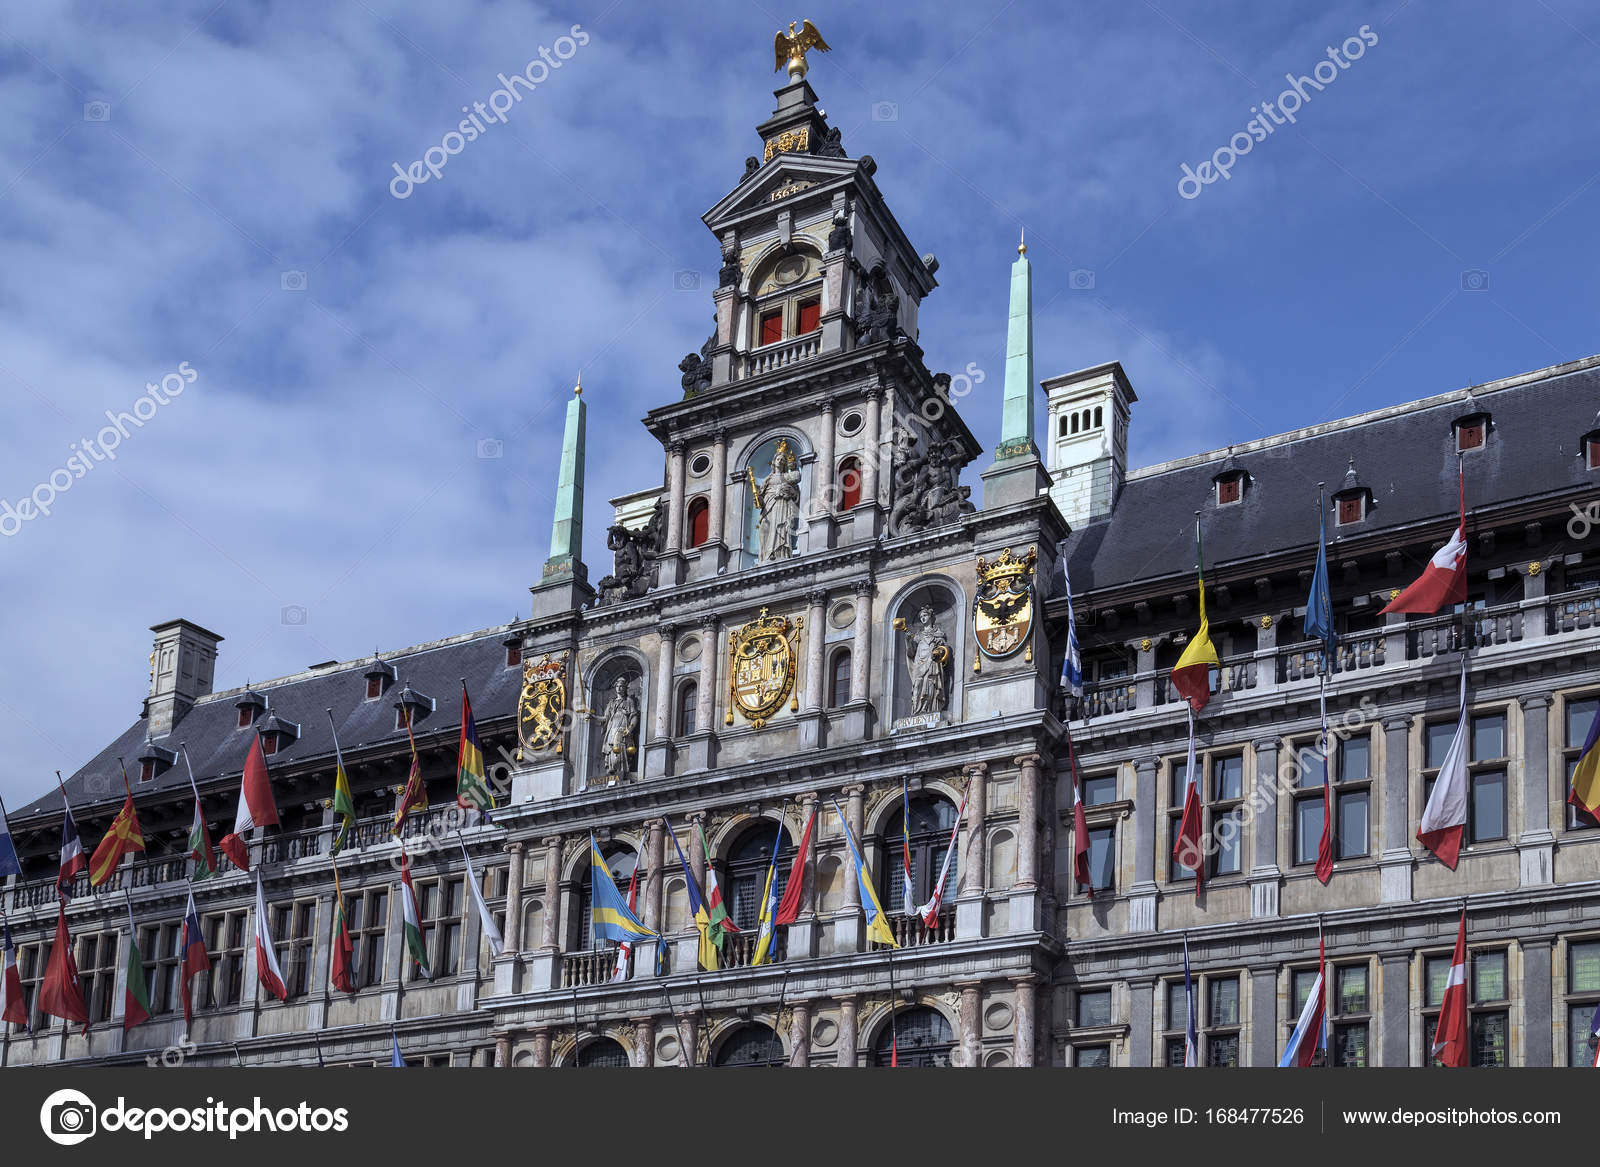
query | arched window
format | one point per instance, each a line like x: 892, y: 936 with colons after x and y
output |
x: 747, y: 874
x: 699, y: 522
x: 839, y: 679
x: 603, y: 1054
x: 688, y: 704
x: 932, y: 818
x: 1074, y: 423
x: 621, y: 861
x: 918, y: 1036
x: 849, y: 483
x: 1061, y: 426
x: 1097, y: 416
x: 752, y: 1044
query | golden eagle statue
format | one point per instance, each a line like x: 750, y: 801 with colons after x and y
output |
x: 791, y: 48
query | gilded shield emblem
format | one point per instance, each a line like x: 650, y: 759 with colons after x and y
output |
x: 1003, y: 610
x: 542, y: 705
x: 761, y: 668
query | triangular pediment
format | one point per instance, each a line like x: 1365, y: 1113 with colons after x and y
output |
x: 782, y: 177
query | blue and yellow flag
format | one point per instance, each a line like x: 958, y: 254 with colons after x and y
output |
x: 877, y: 924
x: 609, y: 917
x: 766, y: 937
x: 697, y: 906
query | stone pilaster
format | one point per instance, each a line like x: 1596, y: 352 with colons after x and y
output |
x: 971, y: 1036
x: 1537, y: 1003
x: 1394, y: 1016
x: 861, y: 645
x: 1264, y: 1016
x: 1142, y: 894
x: 1536, y: 844
x: 1024, y: 1021
x: 1394, y: 861
x: 974, y: 878
x: 1265, y: 874
x: 541, y: 1048
x: 502, y: 1051
x: 708, y: 674
x: 674, y: 498
x: 825, y: 501
x: 664, y: 654
x: 1141, y: 1020
x: 644, y: 1042
x: 849, y: 1031
x: 515, y: 871
x: 869, y: 461
x: 718, y: 530
x: 800, y: 1034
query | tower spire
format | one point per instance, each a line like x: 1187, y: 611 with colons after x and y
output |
x: 566, y: 529
x: 1016, y: 421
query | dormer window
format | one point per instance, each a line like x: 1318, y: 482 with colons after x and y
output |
x: 379, y: 676
x: 411, y: 708
x: 1591, y: 449
x: 147, y: 770
x: 1230, y: 487
x: 1471, y: 432
x: 277, y: 734
x: 1352, y: 509
x: 1352, y: 501
x: 513, y: 646
x: 153, y: 761
x: 250, y: 706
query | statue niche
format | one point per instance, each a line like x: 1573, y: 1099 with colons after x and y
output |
x: 616, y: 745
x: 777, y: 502
x: 922, y: 696
x: 877, y: 306
x: 633, y: 570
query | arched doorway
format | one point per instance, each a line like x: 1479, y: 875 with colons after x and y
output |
x: 752, y: 1044
x: 603, y: 1053
x: 922, y: 1036
x: 932, y: 819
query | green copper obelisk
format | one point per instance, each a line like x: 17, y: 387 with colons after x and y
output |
x: 1016, y: 421
x: 566, y: 530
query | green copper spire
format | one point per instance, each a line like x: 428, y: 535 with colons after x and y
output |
x: 566, y: 531
x: 1016, y: 423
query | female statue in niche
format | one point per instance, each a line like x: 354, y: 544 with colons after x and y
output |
x: 929, y: 650
x: 778, y: 498
x: 621, y: 720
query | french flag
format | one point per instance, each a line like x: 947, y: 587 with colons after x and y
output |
x: 1311, y: 1031
x: 16, y: 1007
x: 73, y: 859
x: 267, y: 970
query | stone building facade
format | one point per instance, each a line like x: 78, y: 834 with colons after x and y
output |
x: 810, y: 614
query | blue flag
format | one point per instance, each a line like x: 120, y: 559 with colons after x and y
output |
x: 396, y: 1062
x: 609, y: 917
x: 1319, y: 606
x: 1072, y: 663
x: 9, y: 864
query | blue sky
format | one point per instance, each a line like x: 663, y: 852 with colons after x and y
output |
x: 164, y: 174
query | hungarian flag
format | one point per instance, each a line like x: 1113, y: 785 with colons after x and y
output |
x: 716, y: 911
x: 1450, y: 1034
x: 195, y: 960
x: 256, y: 808
x: 268, y: 971
x: 16, y: 1005
x: 72, y: 859
x: 930, y: 910
x: 1444, y: 819
x: 1080, y: 824
x: 60, y: 994
x: 625, y: 947
x: 472, y: 789
x: 414, y: 796
x: 1444, y: 580
x: 1191, y: 676
x: 1325, y: 844
x: 122, y: 837
x: 1584, y: 794
x: 908, y: 895
x: 341, y: 971
x: 1311, y: 1031
x: 205, y: 859
x: 136, y: 996
x: 1186, y: 849
x: 412, y: 921
x: 794, y: 889
x: 344, y: 803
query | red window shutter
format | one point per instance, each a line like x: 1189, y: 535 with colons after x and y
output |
x: 1594, y: 453
x: 1228, y: 489
x: 513, y: 655
x: 1469, y: 437
x: 246, y: 715
x: 849, y: 483
x: 771, y: 327
x: 810, y: 316
x: 699, y: 522
x: 147, y: 770
x: 1350, y: 510
x: 374, y: 687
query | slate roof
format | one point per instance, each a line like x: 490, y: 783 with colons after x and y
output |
x: 1405, y: 454
x: 217, y: 746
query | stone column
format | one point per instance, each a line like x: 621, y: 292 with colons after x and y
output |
x: 674, y: 497
x: 800, y: 1035
x: 502, y: 1051
x: 514, y: 873
x: 849, y: 926
x: 1142, y: 894
x: 541, y: 1048
x: 697, y: 853
x: 1027, y: 822
x: 644, y: 1042
x: 1536, y: 844
x: 664, y: 727
x: 874, y: 436
x: 1394, y: 861
x: 1264, y: 1016
x: 971, y: 1024
x: 1264, y: 873
x: 689, y: 1036
x: 803, y: 933
x: 861, y: 646
x: 855, y: 807
x: 816, y: 616
x: 974, y: 859
x: 719, y: 488
x: 1536, y: 1003
x: 1141, y: 1020
x: 849, y: 1034
x: 551, y: 940
x: 1394, y: 1018
x: 1024, y: 1022
x: 822, y: 477
x: 708, y: 674
x: 654, y: 883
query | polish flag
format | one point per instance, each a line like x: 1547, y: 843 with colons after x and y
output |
x: 256, y: 808
x: 1444, y: 819
x: 1444, y: 580
x: 1080, y: 825
x: 1450, y: 1037
x: 267, y: 970
x: 625, y: 947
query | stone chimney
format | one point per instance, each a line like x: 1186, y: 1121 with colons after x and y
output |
x: 1087, y: 447
x: 181, y: 668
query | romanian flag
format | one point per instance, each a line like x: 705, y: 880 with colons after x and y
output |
x: 195, y: 960
x: 472, y: 789
x: 414, y: 797
x: 1585, y: 792
x: 60, y: 993
x: 766, y: 936
x: 344, y: 804
x: 122, y: 837
x: 697, y: 906
x: 1191, y: 676
x: 341, y: 971
x: 205, y: 860
x: 716, y: 911
x: 136, y: 998
x: 410, y: 917
x: 609, y: 917
x: 877, y: 924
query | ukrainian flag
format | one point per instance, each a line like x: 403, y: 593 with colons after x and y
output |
x: 877, y: 924
x: 1585, y: 792
x: 609, y: 917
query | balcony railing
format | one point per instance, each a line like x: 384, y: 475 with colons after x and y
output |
x: 772, y: 357
x: 580, y: 969
x: 913, y: 931
x: 740, y: 948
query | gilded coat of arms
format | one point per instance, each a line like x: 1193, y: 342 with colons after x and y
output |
x: 542, y: 706
x: 761, y: 672
x: 1003, y: 609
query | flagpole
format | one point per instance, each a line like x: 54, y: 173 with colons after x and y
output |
x: 574, y: 1027
x: 677, y: 1025
x: 67, y: 809
x: 705, y: 1020
x: 894, y: 1027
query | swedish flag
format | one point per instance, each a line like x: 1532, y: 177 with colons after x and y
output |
x: 877, y: 924
x: 609, y: 917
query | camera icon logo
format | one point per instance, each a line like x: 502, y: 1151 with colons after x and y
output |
x: 886, y: 111
x: 1080, y: 279
x: 1474, y: 280
x: 491, y: 448
x: 97, y: 111
x: 686, y: 281
x: 293, y: 616
x: 68, y: 1117
x: 292, y: 281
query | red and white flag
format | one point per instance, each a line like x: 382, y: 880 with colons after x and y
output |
x: 1186, y: 849
x: 1450, y: 1036
x: 256, y: 808
x: 267, y: 970
x: 1325, y: 844
x: 1444, y: 819
x: 1444, y: 580
x: 625, y: 947
x: 16, y: 1005
x: 1080, y: 824
x: 930, y: 910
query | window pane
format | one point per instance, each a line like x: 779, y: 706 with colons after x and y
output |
x: 1489, y: 1039
x: 1228, y: 778
x: 1580, y: 1036
x: 1094, y: 1007
x: 1229, y: 832
x: 1307, y: 829
x: 1179, y: 777
x: 1352, y: 824
x: 1175, y: 1051
x: 1440, y: 734
x: 1222, y: 1051
x: 1302, y: 979
x: 1092, y: 1056
x: 1488, y: 806
x: 1225, y: 1001
x: 1102, y: 858
x: 1489, y: 976
x: 1310, y: 767
x: 1350, y: 1045
x: 1583, y: 963
x: 1099, y: 790
x: 1580, y: 716
x: 1437, y: 970
x: 1488, y: 737
x: 1355, y: 760
x: 1352, y: 989
x: 1177, y: 1009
